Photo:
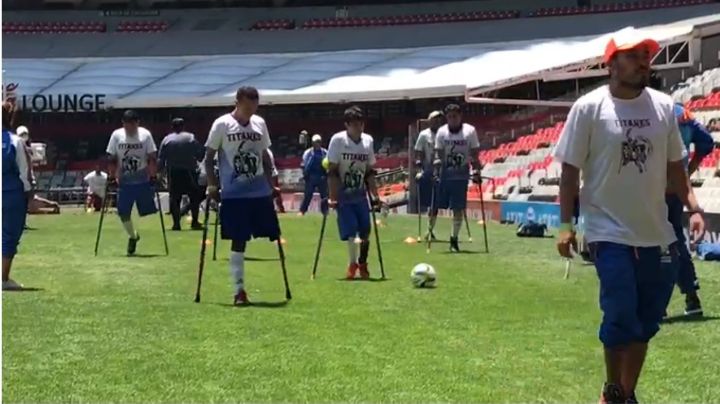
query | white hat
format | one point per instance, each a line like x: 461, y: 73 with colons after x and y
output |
x: 316, y: 138
x: 22, y: 131
x: 434, y: 114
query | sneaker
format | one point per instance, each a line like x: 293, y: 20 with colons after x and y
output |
x: 11, y: 285
x: 364, y: 273
x: 351, y: 271
x: 241, y: 298
x: 197, y: 226
x: 611, y: 394
x: 692, y: 305
x: 132, y: 244
x: 176, y: 227
x: 454, y: 246
x: 632, y: 399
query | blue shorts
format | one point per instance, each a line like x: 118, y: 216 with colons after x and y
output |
x: 425, y: 186
x: 142, y: 195
x: 247, y: 218
x: 635, y: 288
x: 353, y: 219
x: 14, y: 212
x: 453, y: 194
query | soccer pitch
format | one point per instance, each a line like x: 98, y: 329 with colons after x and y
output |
x: 503, y: 327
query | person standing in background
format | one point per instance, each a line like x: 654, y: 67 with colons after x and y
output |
x: 97, y: 183
x: 16, y: 191
x: 314, y: 175
x: 178, y: 159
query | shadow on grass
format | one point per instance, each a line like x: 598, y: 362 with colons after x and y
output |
x: 261, y: 259
x: 682, y: 318
x: 262, y: 305
x: 463, y: 252
x: 363, y: 280
x: 24, y: 290
x: 144, y: 255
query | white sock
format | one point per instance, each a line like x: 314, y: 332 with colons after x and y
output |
x: 237, y: 270
x: 352, y: 250
x: 457, y: 224
x: 129, y: 228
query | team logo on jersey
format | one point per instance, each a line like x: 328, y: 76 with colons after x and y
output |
x: 454, y: 160
x: 353, y: 177
x: 245, y: 162
x: 130, y: 164
x: 635, y: 150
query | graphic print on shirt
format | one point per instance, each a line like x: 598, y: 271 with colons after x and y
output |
x: 636, y: 150
x: 245, y: 162
x: 455, y: 160
x: 354, y: 176
x: 130, y: 163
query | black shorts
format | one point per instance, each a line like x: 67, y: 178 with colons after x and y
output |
x: 183, y: 181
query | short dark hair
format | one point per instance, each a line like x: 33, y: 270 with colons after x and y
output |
x: 178, y: 124
x: 353, y: 113
x: 247, y: 92
x: 453, y: 108
x: 130, y: 116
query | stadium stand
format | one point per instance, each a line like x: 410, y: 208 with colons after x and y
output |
x: 410, y: 19
x: 54, y: 27
x: 614, y: 7
x: 271, y: 25
x: 142, y: 26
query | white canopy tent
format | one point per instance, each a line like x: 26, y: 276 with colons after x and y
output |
x: 322, y: 77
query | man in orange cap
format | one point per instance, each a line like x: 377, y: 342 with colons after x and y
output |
x: 625, y: 139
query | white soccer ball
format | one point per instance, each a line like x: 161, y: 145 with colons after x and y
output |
x: 423, y: 276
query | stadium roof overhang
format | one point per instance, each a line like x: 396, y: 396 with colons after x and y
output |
x: 343, y: 76
x: 678, y: 50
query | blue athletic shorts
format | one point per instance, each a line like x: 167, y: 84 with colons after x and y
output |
x: 353, y: 219
x: 635, y: 288
x: 142, y: 195
x: 425, y: 185
x: 247, y: 218
x: 453, y: 194
x: 14, y: 212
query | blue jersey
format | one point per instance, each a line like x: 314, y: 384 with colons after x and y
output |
x: 312, y: 162
x: 240, y: 152
x: 692, y: 132
x: 15, y: 170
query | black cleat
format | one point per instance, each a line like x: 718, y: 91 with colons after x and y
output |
x: 176, y: 227
x: 197, y: 226
x: 132, y: 244
x: 611, y: 394
x: 692, y: 305
x: 632, y: 399
x: 454, y: 246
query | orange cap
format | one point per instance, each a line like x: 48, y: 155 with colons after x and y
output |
x: 612, y: 47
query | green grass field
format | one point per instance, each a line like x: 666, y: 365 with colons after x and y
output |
x: 503, y: 327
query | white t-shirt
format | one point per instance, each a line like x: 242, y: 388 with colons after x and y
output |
x: 354, y: 160
x: 240, y: 153
x: 132, y: 153
x: 426, y: 143
x: 457, y: 148
x: 96, y: 183
x: 622, y: 148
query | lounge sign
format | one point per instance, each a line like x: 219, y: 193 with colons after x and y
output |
x: 55, y: 102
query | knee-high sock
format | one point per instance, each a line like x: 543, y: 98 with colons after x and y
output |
x: 237, y: 269
x: 352, y: 251
x: 457, y: 224
x: 129, y: 228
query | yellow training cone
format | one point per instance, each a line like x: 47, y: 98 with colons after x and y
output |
x: 283, y: 241
x: 480, y: 222
x: 208, y: 242
x: 411, y: 240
